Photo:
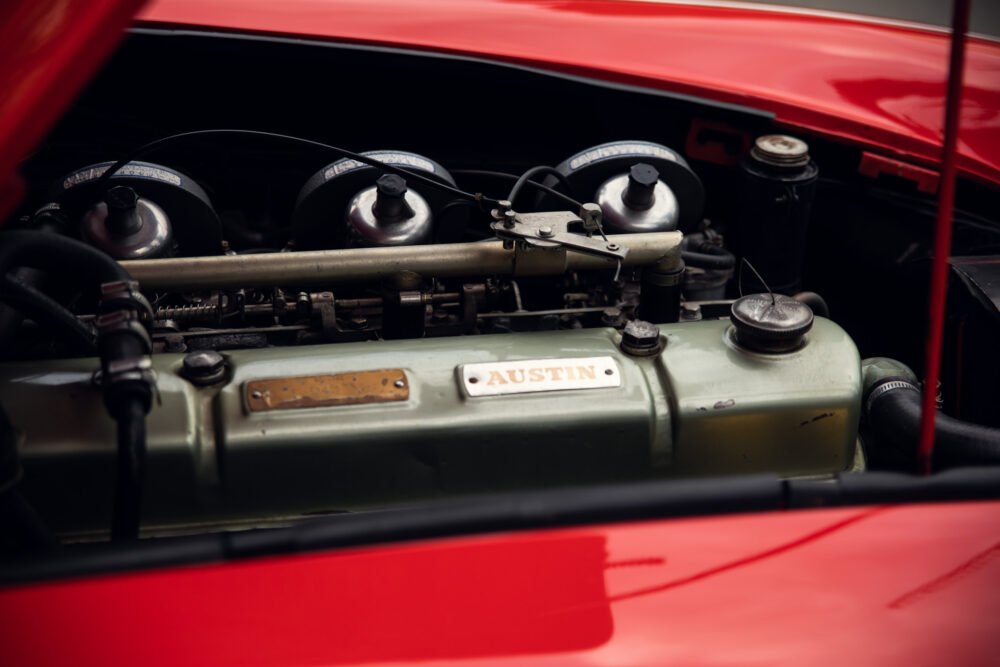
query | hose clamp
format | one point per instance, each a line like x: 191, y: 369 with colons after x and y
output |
x: 885, y: 387
x: 139, y: 369
x: 125, y: 295
x: 124, y: 321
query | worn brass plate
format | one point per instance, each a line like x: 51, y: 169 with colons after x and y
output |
x: 317, y: 391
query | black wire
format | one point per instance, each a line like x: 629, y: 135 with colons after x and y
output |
x: 47, y: 311
x: 514, y: 177
x: 131, y: 473
x: 534, y: 171
x: 442, y: 231
x: 363, y: 159
x: 456, y: 203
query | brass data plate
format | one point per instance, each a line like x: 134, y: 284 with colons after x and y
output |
x: 318, y: 391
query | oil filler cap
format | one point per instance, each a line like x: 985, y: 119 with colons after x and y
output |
x: 771, y: 323
x: 780, y: 150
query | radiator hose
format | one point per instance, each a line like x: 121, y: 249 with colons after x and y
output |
x: 892, y: 410
x: 706, y: 255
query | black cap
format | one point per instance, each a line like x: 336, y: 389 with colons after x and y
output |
x: 390, y: 202
x: 123, y: 218
x: 770, y: 323
x: 204, y: 367
x: 642, y: 180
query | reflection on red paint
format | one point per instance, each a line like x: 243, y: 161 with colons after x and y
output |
x: 915, y: 585
x: 965, y: 570
x: 50, y: 50
x: 816, y: 73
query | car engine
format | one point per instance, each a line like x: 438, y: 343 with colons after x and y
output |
x: 301, y: 329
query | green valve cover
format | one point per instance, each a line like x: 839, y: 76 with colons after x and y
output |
x: 347, y: 426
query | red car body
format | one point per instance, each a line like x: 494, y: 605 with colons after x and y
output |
x: 913, y: 584
x: 899, y: 585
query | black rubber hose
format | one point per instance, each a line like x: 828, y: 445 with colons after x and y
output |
x: 524, y: 178
x: 131, y: 470
x: 718, y: 261
x: 893, y: 416
x: 47, y: 311
x: 566, y: 199
x: 58, y: 255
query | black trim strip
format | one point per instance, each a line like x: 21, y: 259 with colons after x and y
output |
x: 514, y: 511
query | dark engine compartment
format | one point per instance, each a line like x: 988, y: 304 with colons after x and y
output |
x: 867, y: 243
x: 701, y: 187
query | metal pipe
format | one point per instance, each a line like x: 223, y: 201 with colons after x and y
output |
x: 373, y: 264
x: 942, y: 238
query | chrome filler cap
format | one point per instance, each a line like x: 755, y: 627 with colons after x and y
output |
x: 780, y: 150
x: 772, y: 323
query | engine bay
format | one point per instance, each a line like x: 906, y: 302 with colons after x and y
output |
x: 481, y: 295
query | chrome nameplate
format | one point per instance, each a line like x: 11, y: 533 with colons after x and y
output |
x: 497, y: 378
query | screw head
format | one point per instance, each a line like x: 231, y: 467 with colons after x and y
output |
x: 545, y: 232
x: 641, y: 339
x: 174, y: 343
x: 612, y: 317
x: 398, y: 384
x: 204, y: 366
x: 690, y: 311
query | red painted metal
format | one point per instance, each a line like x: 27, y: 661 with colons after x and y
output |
x: 712, y: 141
x: 50, y: 51
x: 878, y: 86
x: 942, y: 237
x: 873, y: 166
x: 913, y: 585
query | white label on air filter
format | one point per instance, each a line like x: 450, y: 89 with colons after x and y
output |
x: 616, y: 150
x: 396, y: 159
x: 136, y: 170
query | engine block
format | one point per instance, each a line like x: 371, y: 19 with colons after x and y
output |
x: 326, y: 428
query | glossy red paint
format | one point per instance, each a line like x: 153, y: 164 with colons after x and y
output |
x: 913, y: 585
x: 50, y: 51
x: 880, y: 86
x: 873, y: 166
